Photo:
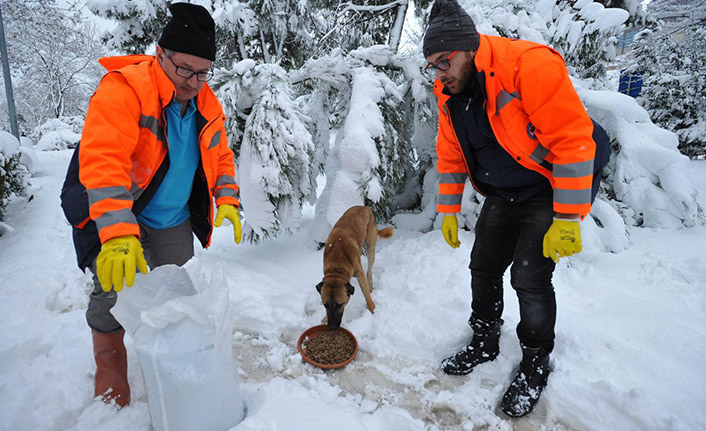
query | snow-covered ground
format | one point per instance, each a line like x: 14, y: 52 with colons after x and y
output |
x: 631, y: 333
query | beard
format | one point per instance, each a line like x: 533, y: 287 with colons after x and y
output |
x: 459, y: 81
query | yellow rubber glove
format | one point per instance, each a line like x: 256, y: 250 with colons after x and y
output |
x: 562, y: 239
x: 449, y: 228
x: 231, y: 213
x: 118, y: 259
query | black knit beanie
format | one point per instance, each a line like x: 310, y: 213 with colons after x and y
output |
x: 191, y: 30
x: 450, y: 29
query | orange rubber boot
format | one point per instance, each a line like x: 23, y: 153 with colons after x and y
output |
x: 111, y: 368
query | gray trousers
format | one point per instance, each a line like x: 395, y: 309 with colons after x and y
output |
x: 174, y: 245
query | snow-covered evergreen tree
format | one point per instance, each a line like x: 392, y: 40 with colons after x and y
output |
x: 366, y: 23
x: 353, y: 165
x: 372, y: 159
x: 236, y: 22
x: 636, y: 9
x: 584, y: 32
x: 670, y: 56
x: 398, y: 161
x: 233, y: 89
x: 274, y: 169
x: 139, y: 23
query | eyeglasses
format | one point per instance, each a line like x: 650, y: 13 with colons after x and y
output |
x: 443, y: 65
x: 188, y: 73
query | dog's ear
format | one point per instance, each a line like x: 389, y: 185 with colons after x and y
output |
x: 350, y: 289
x: 319, y: 286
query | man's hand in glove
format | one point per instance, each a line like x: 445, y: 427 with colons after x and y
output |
x: 449, y: 228
x: 562, y: 239
x: 118, y: 260
x: 231, y: 213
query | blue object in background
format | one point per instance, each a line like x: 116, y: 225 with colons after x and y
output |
x: 630, y: 83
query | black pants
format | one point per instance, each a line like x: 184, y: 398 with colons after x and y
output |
x: 509, y: 232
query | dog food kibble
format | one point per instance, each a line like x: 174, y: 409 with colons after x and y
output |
x: 329, y: 347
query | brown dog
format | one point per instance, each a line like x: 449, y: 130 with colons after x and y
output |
x: 352, y: 234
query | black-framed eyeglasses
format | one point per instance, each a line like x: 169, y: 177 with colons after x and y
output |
x: 188, y: 73
x: 443, y: 65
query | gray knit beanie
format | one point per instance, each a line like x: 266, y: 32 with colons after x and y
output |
x: 450, y: 29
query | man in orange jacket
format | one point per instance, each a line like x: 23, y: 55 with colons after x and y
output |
x: 153, y: 156
x: 510, y: 119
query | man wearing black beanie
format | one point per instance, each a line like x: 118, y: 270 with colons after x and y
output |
x: 510, y: 119
x: 153, y: 158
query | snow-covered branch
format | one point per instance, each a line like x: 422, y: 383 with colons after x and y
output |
x: 351, y: 7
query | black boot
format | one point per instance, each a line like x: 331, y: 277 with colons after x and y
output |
x: 523, y: 393
x: 483, y: 348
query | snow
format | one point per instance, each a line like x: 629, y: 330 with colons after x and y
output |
x: 629, y: 349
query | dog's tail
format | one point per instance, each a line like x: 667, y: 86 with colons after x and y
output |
x: 386, y: 233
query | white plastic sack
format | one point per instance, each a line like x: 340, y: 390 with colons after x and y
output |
x: 184, y: 345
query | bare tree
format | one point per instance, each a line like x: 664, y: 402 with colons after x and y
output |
x: 53, y: 53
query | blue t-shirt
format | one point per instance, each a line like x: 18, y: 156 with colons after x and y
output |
x: 168, y: 207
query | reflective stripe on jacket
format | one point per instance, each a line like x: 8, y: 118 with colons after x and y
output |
x: 123, y: 153
x: 536, y: 116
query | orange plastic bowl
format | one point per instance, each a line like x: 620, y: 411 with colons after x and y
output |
x: 312, y: 333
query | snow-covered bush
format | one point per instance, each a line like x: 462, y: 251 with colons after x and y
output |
x: 59, y: 134
x: 12, y: 172
x: 72, y: 124
x: 647, y: 177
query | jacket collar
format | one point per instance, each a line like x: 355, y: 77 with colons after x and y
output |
x: 484, y: 56
x: 165, y: 87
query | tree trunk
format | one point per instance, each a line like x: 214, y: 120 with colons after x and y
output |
x: 265, y: 51
x: 396, y: 31
x: 241, y: 46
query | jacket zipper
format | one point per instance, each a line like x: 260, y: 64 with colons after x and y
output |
x: 458, y: 143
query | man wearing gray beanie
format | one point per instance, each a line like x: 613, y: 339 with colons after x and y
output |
x: 153, y: 160
x: 510, y: 119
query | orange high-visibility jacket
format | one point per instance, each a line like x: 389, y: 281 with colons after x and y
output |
x: 537, y: 118
x: 124, y: 148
